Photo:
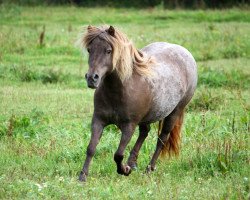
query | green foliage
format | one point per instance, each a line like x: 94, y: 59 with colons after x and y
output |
x: 224, y: 159
x: 45, y: 76
x: 206, y: 99
x: 24, y: 126
x: 25, y: 74
x: 234, y: 78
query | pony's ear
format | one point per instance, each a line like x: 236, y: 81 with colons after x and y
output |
x: 89, y: 27
x: 111, y: 31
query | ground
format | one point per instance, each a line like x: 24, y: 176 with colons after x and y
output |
x: 46, y: 107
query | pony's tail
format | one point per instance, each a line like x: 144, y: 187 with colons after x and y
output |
x: 172, y: 145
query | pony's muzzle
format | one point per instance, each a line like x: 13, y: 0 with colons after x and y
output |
x: 92, y: 80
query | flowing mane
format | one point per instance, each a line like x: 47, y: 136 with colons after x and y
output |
x: 126, y: 58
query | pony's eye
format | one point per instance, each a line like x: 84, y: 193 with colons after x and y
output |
x: 109, y: 51
x: 88, y: 49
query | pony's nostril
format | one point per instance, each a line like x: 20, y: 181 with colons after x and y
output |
x: 95, y: 77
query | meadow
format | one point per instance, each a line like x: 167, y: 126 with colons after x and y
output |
x: 46, y: 107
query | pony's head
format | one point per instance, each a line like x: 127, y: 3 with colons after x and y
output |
x: 110, y: 50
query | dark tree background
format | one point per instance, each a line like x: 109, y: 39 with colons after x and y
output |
x: 137, y: 3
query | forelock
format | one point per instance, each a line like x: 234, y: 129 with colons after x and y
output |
x: 94, y: 32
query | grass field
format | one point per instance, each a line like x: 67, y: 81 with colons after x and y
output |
x: 46, y: 107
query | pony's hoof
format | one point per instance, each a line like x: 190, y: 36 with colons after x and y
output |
x: 150, y: 169
x: 120, y: 171
x: 133, y: 166
x: 82, y: 177
x: 124, y: 170
x: 127, y: 170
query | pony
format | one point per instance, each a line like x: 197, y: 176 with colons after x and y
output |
x: 136, y: 88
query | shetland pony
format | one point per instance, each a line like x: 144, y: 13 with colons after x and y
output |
x: 136, y: 87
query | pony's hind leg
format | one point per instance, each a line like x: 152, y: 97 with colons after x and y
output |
x: 168, y: 140
x: 143, y: 133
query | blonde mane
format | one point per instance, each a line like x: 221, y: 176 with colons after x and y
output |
x: 126, y: 58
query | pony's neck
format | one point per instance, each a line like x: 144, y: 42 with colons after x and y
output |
x: 113, y: 83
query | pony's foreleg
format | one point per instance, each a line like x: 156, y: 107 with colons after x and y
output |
x: 97, y: 128
x: 127, y: 132
x: 143, y: 133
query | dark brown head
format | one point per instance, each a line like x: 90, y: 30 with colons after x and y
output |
x: 100, y: 55
x: 110, y: 50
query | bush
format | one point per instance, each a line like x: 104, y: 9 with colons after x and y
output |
x: 26, y: 126
x: 206, y: 99
x: 27, y: 74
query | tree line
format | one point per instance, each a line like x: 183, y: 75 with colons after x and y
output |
x: 137, y: 3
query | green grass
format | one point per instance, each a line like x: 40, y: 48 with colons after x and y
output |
x: 46, y: 107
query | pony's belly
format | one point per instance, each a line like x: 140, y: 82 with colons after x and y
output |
x: 154, y: 117
x: 165, y: 100
x: 158, y: 113
x: 167, y: 92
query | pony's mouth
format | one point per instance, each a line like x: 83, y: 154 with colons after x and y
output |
x: 92, y: 84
